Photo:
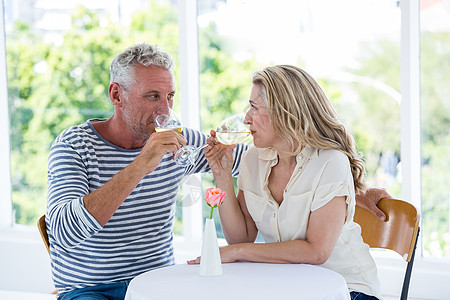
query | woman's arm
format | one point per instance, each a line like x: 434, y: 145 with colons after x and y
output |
x: 237, y: 224
x: 324, y: 227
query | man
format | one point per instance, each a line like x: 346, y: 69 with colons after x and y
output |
x: 112, y: 183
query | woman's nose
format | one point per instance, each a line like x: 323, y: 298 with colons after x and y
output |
x: 247, y: 119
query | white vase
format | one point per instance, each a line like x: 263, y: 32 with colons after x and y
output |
x: 210, y: 263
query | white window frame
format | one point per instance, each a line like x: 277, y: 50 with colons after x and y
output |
x: 6, y: 220
x: 410, y: 104
x: 190, y: 108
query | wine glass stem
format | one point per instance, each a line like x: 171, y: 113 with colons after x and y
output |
x: 201, y: 147
x: 197, y: 150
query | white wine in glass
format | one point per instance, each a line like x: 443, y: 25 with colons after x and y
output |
x: 166, y: 119
x: 232, y: 130
x: 178, y: 130
x: 230, y: 138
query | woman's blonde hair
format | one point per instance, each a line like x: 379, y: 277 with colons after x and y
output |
x: 301, y: 114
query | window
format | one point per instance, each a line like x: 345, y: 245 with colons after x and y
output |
x: 357, y: 59
x: 435, y: 120
x: 58, y: 56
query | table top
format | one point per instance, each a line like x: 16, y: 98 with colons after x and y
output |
x: 240, y: 280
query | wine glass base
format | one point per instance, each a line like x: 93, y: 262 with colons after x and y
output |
x: 185, y: 156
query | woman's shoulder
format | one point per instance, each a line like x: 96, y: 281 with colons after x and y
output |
x: 331, y: 159
x: 331, y: 155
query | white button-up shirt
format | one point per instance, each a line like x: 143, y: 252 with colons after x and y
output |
x: 319, y: 176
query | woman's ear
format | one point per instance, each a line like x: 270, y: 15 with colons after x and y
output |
x: 115, y: 93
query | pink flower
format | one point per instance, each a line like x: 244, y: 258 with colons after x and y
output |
x: 214, y: 198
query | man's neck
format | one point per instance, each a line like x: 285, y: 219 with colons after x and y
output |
x: 118, y: 134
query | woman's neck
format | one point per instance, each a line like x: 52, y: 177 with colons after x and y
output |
x: 285, y: 157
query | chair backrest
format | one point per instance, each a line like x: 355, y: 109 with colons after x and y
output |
x: 42, y: 226
x: 398, y: 233
x: 43, y: 231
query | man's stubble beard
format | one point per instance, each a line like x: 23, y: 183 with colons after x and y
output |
x: 137, y: 126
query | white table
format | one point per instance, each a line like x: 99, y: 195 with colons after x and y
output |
x: 240, y: 280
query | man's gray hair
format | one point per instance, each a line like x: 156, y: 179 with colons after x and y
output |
x: 122, y: 65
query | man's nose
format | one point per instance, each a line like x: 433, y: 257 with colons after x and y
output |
x: 165, y: 102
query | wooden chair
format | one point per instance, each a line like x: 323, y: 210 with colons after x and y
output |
x: 43, y: 231
x: 42, y: 226
x: 398, y: 233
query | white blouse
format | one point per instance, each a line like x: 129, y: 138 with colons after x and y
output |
x: 320, y: 175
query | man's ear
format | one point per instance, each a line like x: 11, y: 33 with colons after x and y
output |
x: 115, y: 94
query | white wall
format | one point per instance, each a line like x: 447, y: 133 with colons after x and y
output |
x: 24, y: 261
x: 429, y: 279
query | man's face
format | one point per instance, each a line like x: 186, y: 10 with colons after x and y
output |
x: 152, y: 87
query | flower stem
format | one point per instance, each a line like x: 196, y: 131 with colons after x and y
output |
x: 210, y: 216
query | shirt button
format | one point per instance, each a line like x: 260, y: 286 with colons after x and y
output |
x: 274, y: 215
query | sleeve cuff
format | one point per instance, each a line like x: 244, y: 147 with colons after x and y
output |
x: 92, y: 225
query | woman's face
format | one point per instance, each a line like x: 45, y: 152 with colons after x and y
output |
x: 257, y: 117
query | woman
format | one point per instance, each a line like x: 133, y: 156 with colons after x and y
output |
x: 297, y: 185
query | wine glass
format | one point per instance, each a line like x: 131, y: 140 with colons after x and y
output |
x: 166, y: 119
x: 232, y: 130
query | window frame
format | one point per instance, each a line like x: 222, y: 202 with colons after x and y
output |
x: 6, y: 213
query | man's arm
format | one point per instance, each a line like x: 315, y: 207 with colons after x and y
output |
x: 103, y: 202
x: 74, y: 211
x: 369, y: 200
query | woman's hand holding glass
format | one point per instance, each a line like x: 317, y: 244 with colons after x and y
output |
x: 230, y: 131
x: 219, y: 156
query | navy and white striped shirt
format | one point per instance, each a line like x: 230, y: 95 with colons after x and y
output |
x: 138, y: 237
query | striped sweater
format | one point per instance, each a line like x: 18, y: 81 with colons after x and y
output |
x: 138, y: 237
